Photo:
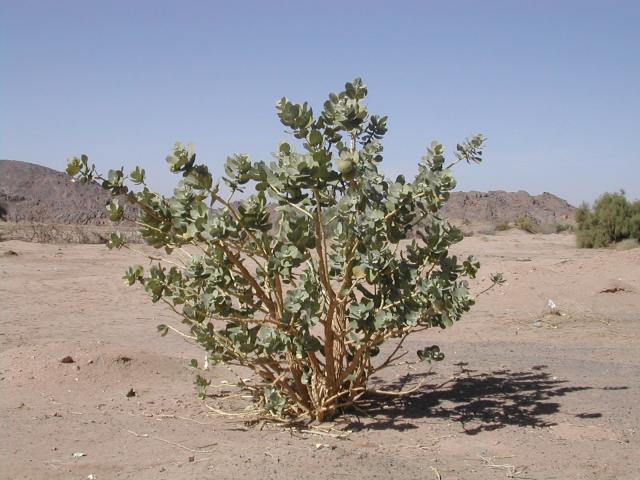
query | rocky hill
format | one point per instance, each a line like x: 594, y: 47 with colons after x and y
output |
x: 499, y: 207
x: 36, y: 194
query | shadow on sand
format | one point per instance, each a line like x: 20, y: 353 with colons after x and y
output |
x: 478, y: 401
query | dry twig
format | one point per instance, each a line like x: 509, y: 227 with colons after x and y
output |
x: 179, y: 445
x: 510, y: 470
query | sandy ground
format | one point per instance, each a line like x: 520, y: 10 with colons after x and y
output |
x: 530, y: 395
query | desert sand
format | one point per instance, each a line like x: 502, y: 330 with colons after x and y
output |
x: 522, y: 393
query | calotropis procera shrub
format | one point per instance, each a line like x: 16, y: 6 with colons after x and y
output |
x: 307, y: 297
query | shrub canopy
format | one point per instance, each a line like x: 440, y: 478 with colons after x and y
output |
x: 306, y: 296
x: 612, y: 219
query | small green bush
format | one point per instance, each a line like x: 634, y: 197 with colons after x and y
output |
x: 525, y: 224
x: 612, y: 219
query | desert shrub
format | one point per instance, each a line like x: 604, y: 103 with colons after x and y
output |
x: 306, y: 313
x: 562, y: 227
x: 627, y: 244
x: 525, y: 224
x: 634, y: 220
x: 612, y: 219
x: 503, y: 227
x: 3, y: 210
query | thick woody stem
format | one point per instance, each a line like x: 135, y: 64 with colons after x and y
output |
x: 328, y: 350
x: 237, y: 262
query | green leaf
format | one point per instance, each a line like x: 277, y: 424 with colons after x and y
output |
x: 275, y: 402
x: 137, y: 176
x: 202, y: 384
x: 429, y: 354
x: 315, y: 138
x: 134, y: 274
x: 497, y: 278
x: 116, y: 240
x: 74, y: 165
x: 116, y: 211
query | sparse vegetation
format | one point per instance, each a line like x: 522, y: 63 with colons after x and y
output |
x: 525, y: 224
x: 627, y: 244
x: 47, y: 233
x: 563, y: 227
x: 307, y: 314
x: 503, y: 227
x: 612, y: 219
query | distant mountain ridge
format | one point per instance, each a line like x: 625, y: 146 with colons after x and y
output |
x: 500, y: 207
x: 33, y: 193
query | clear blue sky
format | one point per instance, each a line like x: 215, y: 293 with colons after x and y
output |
x: 554, y: 85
